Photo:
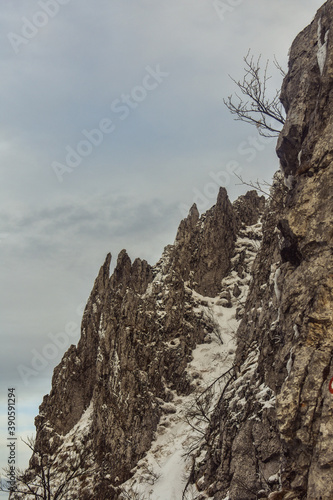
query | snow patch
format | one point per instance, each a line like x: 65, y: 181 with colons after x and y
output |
x: 115, y: 365
x: 289, y: 181
x: 266, y: 396
x: 289, y: 363
x: 69, y: 454
x: 99, y: 355
x: 82, y: 428
x: 274, y: 478
x: 299, y: 157
x: 276, y: 286
x: 101, y: 330
x: 322, y: 48
x: 296, y: 332
x: 273, y: 279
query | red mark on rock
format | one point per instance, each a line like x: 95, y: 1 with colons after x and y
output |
x: 330, y: 387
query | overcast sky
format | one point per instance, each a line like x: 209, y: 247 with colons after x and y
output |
x: 112, y: 125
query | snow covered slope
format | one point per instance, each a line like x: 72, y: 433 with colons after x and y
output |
x: 164, y: 473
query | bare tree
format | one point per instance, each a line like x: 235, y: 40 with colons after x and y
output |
x: 261, y: 186
x: 199, y: 412
x: 51, y: 478
x: 254, y: 105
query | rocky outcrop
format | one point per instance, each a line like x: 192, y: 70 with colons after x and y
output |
x: 272, y: 432
x: 305, y: 144
x: 201, y: 256
x: 139, y: 329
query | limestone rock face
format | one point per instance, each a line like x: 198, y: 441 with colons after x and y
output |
x: 249, y: 208
x: 204, y: 251
x: 306, y: 144
x: 272, y: 432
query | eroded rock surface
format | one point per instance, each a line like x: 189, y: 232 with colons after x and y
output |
x: 272, y: 430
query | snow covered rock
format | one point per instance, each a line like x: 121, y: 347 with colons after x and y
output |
x: 153, y: 338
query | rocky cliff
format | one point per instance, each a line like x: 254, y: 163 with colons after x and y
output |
x: 207, y: 375
x: 273, y: 428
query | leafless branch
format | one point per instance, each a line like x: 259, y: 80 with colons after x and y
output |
x: 279, y: 67
x: 254, y: 105
x: 262, y: 186
x: 46, y: 481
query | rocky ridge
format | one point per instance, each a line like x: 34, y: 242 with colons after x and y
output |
x: 139, y: 330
